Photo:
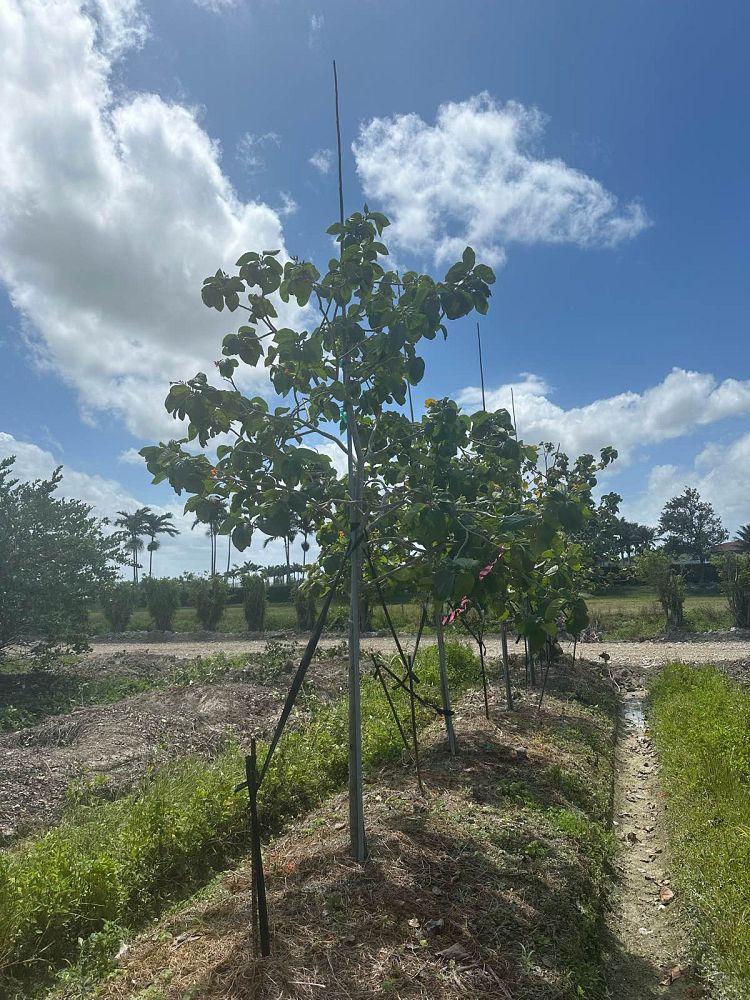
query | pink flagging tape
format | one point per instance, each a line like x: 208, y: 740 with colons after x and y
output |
x: 465, y: 602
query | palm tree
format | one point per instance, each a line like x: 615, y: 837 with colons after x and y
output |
x: 644, y: 538
x: 743, y: 537
x: 134, y: 525
x: 157, y: 524
x: 216, y: 514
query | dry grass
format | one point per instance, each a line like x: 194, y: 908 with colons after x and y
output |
x: 489, y: 886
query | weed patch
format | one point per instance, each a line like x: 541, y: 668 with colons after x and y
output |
x: 490, y: 885
x: 120, y: 861
x: 701, y: 725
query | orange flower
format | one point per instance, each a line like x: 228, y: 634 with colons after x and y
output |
x: 430, y: 401
x: 214, y: 473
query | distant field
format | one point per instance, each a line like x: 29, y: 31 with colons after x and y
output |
x: 632, y: 613
x: 635, y: 613
x: 278, y: 617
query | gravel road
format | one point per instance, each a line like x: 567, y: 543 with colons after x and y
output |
x: 631, y: 654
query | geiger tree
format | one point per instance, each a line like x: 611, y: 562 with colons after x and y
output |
x: 342, y: 383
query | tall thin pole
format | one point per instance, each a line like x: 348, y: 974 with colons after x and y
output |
x: 338, y: 144
x: 354, y: 464
x: 481, y: 367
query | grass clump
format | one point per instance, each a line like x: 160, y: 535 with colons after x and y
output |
x: 701, y: 725
x: 117, y: 862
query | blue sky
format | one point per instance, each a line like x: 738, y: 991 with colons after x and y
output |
x: 595, y: 153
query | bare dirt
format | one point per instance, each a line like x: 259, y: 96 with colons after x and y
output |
x: 638, y: 654
x: 116, y: 743
x: 648, y: 944
x: 105, y: 750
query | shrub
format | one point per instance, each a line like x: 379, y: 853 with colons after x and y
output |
x: 734, y: 571
x: 279, y: 593
x: 55, y: 558
x: 655, y: 568
x: 162, y: 599
x: 118, y: 604
x: 210, y: 599
x: 304, y: 606
x: 254, y: 603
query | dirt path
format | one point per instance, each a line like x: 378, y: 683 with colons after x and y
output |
x: 630, y: 654
x: 647, y: 946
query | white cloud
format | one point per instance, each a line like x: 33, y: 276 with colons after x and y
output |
x: 216, y: 6
x: 475, y: 177
x: 111, y: 212
x: 120, y: 24
x: 316, y: 26
x: 250, y: 149
x: 337, y: 456
x: 322, y: 160
x: 131, y: 457
x: 718, y: 473
x: 678, y: 405
x: 107, y: 496
x: 288, y: 205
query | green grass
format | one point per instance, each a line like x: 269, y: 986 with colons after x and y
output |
x: 120, y: 862
x: 636, y: 614
x: 522, y: 847
x: 628, y: 613
x: 278, y: 617
x: 701, y: 725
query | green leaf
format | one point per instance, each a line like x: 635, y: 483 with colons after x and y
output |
x: 415, y: 370
x: 485, y: 274
x: 242, y: 535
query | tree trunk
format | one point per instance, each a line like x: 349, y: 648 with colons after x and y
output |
x: 506, y: 666
x: 444, y: 689
x: 151, y: 556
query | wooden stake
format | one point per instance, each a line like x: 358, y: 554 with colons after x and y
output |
x: 260, y: 906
